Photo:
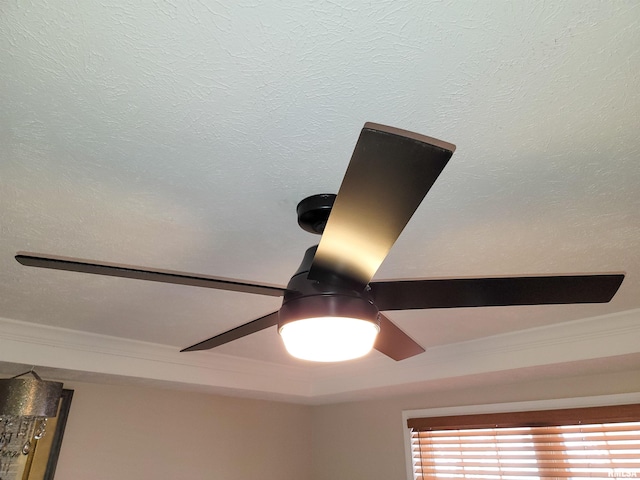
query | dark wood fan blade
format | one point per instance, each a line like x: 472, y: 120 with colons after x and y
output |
x: 394, y: 343
x: 486, y: 292
x: 390, y: 172
x: 142, y: 273
x: 235, y: 333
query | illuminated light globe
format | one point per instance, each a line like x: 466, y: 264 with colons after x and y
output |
x: 329, y: 339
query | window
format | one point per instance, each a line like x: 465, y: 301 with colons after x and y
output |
x: 595, y: 442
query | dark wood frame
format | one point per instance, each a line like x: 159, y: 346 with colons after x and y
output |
x: 56, y: 443
x: 539, y: 418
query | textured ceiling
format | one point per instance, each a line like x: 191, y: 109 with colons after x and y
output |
x: 182, y: 136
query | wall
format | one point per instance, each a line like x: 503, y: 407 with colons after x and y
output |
x: 125, y: 432
x: 130, y: 432
x: 364, y: 440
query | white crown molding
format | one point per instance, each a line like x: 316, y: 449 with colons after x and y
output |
x: 42, y: 345
x: 597, y: 337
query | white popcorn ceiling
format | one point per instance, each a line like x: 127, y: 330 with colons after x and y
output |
x: 181, y: 135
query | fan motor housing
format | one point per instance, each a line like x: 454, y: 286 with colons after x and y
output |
x: 306, y: 298
x: 330, y: 305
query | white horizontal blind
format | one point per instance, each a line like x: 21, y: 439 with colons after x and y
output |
x: 603, y: 450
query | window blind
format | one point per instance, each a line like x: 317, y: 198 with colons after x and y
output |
x: 447, y: 449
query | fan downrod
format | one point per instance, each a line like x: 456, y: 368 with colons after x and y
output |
x: 314, y: 211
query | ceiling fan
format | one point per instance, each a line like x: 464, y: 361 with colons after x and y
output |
x: 331, y: 309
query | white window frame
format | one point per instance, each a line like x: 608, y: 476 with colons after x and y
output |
x: 577, y: 402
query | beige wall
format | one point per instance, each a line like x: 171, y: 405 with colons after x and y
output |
x: 123, y: 432
x: 364, y: 440
x: 127, y: 432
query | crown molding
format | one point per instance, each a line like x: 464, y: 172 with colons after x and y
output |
x: 34, y: 344
x: 597, y: 337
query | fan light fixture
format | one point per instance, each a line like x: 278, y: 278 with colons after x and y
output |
x: 328, y: 311
x: 329, y: 339
x: 328, y: 328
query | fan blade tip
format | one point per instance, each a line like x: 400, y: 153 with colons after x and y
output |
x: 416, y: 350
x: 619, y: 278
x: 394, y: 343
x: 236, y: 333
x: 615, y: 284
x: 198, y: 347
x: 411, y: 356
x: 24, y: 258
x: 399, y: 358
x: 409, y: 134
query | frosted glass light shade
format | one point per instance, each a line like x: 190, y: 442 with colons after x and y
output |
x: 329, y: 339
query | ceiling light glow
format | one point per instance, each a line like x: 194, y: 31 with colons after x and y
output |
x: 329, y: 339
